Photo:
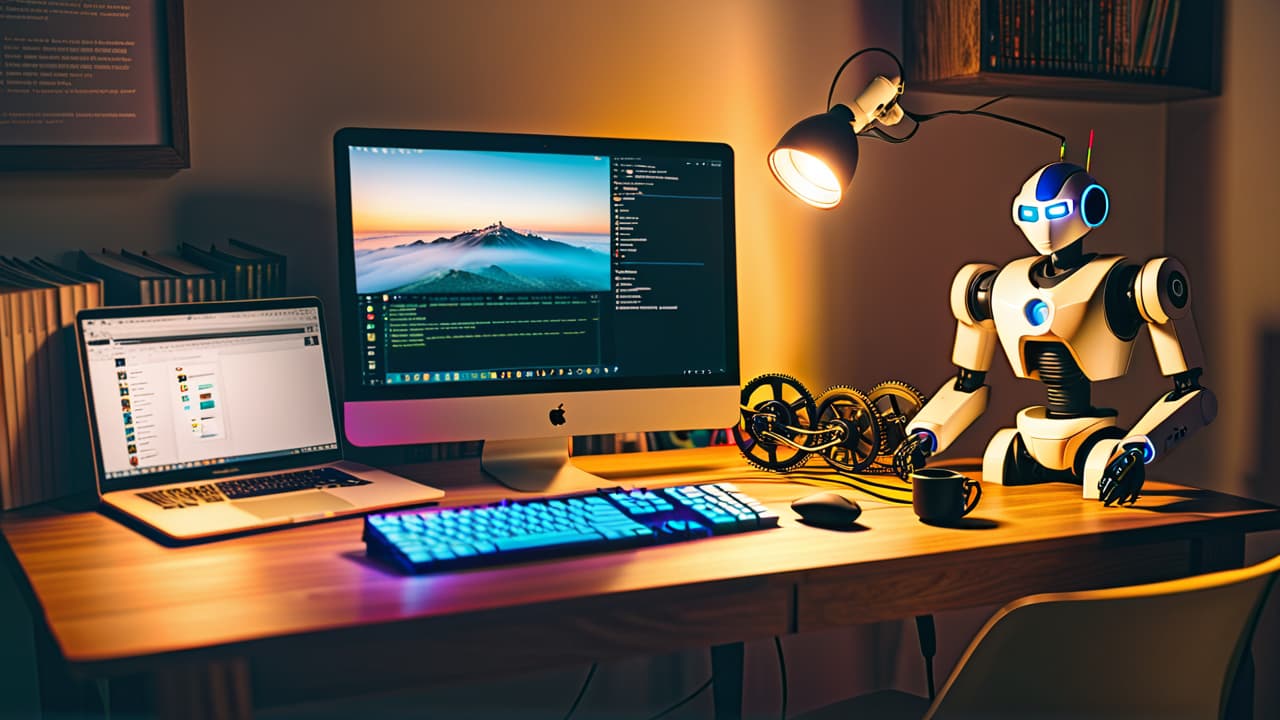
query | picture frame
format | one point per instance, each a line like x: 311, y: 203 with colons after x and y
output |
x: 169, y: 146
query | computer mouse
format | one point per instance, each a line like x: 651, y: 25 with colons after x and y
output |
x: 827, y: 510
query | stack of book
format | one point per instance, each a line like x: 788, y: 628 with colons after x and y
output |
x: 234, y: 271
x: 42, y: 454
x: 1102, y: 37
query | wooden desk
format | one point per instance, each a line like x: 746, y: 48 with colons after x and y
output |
x: 115, y: 602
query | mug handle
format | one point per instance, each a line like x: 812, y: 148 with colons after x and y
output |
x: 973, y: 493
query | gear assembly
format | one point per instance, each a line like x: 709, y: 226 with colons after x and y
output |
x: 782, y: 425
x: 1068, y: 319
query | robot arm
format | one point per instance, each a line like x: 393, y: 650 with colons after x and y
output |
x: 961, y: 400
x: 1115, y: 467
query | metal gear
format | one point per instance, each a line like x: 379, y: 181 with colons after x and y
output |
x: 848, y: 411
x: 896, y: 403
x: 776, y: 412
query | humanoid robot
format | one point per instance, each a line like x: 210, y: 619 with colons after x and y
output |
x: 1067, y: 318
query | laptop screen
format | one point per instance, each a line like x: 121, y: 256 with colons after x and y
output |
x: 205, y: 392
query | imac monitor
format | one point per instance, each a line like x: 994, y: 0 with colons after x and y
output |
x: 521, y: 289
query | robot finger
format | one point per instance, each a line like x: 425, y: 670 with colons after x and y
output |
x: 1123, y: 480
x: 1112, y: 489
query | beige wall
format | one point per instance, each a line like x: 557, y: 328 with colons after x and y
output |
x: 1224, y: 177
x: 854, y: 295
x: 1223, y: 181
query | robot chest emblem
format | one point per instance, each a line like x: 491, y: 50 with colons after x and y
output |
x: 1039, y: 313
x: 1048, y: 314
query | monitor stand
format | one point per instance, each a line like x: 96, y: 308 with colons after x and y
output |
x: 539, y: 465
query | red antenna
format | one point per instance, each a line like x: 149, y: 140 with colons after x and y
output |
x: 1088, y: 157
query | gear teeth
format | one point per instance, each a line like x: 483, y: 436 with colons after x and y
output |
x: 895, y: 422
x: 849, y: 456
x: 887, y: 386
x: 744, y: 434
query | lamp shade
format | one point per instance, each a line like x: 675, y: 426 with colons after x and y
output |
x: 816, y: 158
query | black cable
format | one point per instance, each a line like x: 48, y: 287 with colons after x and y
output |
x: 582, y: 691
x: 859, y: 487
x: 685, y: 701
x: 879, y: 134
x: 924, y: 117
x: 920, y: 118
x: 782, y: 676
x: 832, y: 92
x: 927, y: 633
x: 992, y: 101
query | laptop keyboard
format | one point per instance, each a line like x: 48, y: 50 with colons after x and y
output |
x: 193, y: 495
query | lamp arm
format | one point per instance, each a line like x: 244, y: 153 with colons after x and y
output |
x: 832, y: 92
x: 875, y: 96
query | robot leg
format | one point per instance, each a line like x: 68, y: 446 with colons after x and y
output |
x: 1008, y: 461
x: 997, y: 461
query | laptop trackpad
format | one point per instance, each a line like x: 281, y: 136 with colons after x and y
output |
x: 305, y: 503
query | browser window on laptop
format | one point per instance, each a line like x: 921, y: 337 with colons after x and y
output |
x: 216, y: 417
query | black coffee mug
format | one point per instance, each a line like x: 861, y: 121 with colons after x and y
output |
x: 942, y: 497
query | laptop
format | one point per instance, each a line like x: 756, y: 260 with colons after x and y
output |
x: 216, y: 418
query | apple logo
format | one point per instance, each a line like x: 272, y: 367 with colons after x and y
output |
x: 557, y: 415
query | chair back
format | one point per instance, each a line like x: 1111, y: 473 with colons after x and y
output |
x: 1166, y: 650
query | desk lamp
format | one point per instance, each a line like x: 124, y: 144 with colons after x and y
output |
x: 1063, y: 317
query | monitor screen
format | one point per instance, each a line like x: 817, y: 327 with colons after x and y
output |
x: 200, y: 388
x: 477, y: 265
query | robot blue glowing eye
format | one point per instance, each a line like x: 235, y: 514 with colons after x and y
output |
x: 1037, y: 312
x: 1027, y: 213
x: 1058, y: 210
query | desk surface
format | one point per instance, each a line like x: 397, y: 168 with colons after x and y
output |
x: 115, y: 601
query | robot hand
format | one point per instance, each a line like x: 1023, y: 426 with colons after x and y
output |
x: 911, y: 453
x: 1123, y: 477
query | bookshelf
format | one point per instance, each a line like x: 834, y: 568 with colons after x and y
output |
x: 1104, y: 50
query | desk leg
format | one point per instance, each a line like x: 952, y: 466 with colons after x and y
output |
x: 1226, y: 552
x: 204, y: 691
x: 726, y: 674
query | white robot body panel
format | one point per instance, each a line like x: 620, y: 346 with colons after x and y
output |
x: 948, y: 413
x: 1053, y: 442
x: 1163, y: 296
x: 975, y: 345
x: 993, y: 460
x: 1072, y: 312
x: 1169, y: 422
x: 1058, y: 205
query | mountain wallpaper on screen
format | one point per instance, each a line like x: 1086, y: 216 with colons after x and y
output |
x: 492, y: 259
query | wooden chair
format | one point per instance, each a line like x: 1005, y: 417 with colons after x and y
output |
x: 1166, y: 650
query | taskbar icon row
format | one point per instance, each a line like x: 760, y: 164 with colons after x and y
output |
x: 191, y: 464
x: 166, y: 467
x: 482, y: 375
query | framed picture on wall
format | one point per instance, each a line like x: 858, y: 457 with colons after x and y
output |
x: 93, y: 86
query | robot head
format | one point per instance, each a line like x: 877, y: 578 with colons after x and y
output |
x: 1058, y: 205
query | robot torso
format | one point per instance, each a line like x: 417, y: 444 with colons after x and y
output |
x: 1070, y: 309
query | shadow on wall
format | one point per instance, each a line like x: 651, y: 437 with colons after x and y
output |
x: 299, y: 226
x: 1260, y: 483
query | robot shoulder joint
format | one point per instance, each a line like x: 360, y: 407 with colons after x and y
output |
x: 1162, y: 291
x: 971, y: 293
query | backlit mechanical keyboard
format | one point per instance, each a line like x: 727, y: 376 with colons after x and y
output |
x: 192, y: 495
x: 439, y: 539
